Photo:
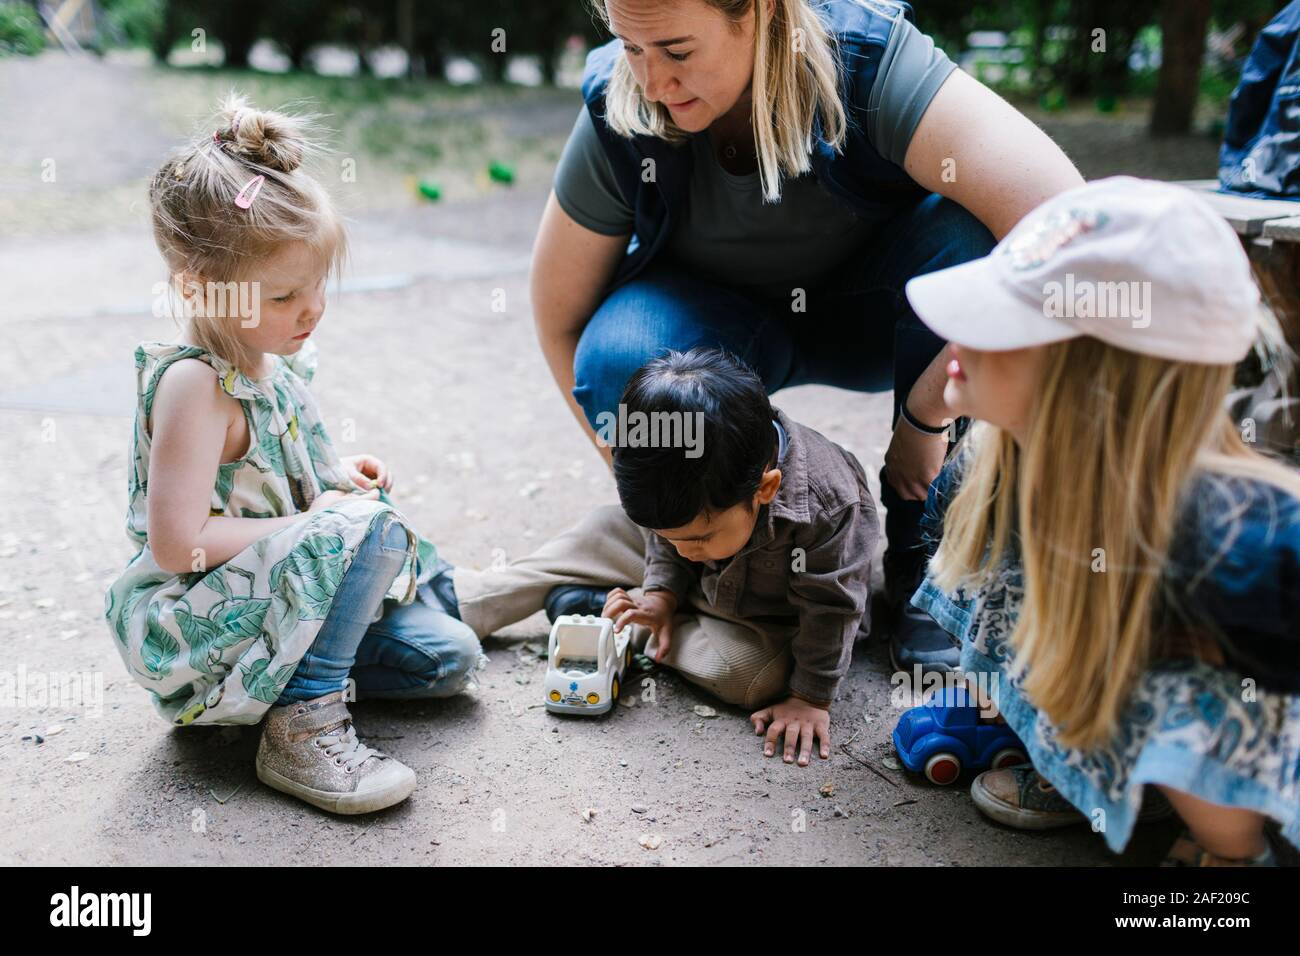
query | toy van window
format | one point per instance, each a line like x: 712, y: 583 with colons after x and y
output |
x: 577, y: 649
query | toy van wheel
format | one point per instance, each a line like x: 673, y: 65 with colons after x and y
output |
x: 1008, y: 757
x: 613, y: 690
x: 627, y: 657
x: 942, y: 769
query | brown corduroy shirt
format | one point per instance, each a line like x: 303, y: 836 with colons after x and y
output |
x: 807, y: 563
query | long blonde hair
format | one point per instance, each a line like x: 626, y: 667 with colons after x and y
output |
x: 202, y: 233
x: 796, y: 64
x: 1116, y: 441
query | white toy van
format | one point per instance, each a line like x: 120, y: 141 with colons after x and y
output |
x: 586, y: 664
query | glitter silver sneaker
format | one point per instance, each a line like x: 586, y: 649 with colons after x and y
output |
x: 310, y: 750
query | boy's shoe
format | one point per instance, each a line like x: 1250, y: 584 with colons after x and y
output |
x: 575, y: 599
x: 1187, y: 852
x: 310, y: 750
x: 1018, y: 797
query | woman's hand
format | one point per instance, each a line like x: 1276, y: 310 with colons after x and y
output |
x: 333, y: 496
x: 654, y: 609
x: 800, y: 721
x: 913, y: 460
x: 367, y: 471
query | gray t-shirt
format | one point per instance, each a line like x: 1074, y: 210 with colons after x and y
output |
x: 728, y: 234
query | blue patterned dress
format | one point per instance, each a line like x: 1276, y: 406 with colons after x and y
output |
x: 1229, y: 735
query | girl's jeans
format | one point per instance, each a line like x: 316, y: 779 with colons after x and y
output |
x: 415, y: 650
x: 857, y: 331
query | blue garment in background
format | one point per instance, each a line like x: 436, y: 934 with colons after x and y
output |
x: 1260, y: 156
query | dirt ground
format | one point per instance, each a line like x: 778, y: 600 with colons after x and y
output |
x: 417, y: 368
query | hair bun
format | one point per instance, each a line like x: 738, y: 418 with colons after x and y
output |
x: 264, y: 137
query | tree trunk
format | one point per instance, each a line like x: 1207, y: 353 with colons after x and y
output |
x: 406, y: 34
x: 550, y: 64
x: 1182, y: 48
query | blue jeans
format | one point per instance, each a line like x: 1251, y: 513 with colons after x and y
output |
x: 858, y: 331
x: 413, y: 650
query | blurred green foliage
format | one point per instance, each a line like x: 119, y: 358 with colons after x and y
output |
x: 431, y: 32
x: 1043, y: 50
x: 1056, y: 43
x: 21, y: 30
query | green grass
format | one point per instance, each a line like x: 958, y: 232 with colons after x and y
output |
x: 406, y: 128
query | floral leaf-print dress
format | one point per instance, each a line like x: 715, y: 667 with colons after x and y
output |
x: 217, y: 646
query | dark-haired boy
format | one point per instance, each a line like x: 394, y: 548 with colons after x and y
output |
x: 753, y: 548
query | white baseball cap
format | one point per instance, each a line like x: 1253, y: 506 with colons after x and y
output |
x: 1142, y: 265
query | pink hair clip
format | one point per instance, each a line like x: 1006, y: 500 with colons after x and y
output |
x: 245, y: 198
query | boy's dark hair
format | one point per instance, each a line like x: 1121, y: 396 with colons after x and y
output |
x: 663, y: 487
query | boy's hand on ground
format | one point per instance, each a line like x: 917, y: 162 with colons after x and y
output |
x: 800, y: 722
x: 367, y: 471
x: 654, y: 609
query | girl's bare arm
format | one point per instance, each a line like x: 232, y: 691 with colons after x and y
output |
x: 190, y: 418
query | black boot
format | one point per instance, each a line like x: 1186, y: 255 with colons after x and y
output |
x: 575, y: 599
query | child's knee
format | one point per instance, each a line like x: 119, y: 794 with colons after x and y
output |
x: 464, y: 653
x: 393, y: 537
x: 769, y: 685
x: 459, y: 655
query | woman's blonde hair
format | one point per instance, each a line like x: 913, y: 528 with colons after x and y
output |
x: 1117, y: 442
x: 205, y: 237
x: 797, y: 70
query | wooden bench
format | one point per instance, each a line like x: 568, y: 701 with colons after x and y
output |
x: 1270, y: 232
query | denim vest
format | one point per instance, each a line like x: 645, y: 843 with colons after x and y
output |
x: 858, y: 175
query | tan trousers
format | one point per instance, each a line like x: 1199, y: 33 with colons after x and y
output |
x: 731, y: 658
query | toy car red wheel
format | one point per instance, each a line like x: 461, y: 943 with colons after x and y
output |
x: 942, y: 769
x: 1008, y: 757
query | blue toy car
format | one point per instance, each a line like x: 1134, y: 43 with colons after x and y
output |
x: 944, y: 736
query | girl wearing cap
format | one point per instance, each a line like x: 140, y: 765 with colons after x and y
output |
x: 764, y: 176
x: 1114, y: 554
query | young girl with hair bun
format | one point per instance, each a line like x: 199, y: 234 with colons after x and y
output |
x: 271, y: 576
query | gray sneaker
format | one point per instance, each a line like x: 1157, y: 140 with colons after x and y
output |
x: 310, y: 750
x: 1018, y: 797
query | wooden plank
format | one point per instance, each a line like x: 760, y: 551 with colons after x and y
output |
x: 1283, y: 230
x: 1245, y: 215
